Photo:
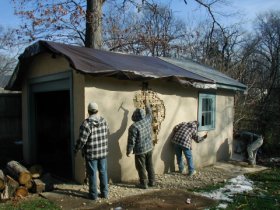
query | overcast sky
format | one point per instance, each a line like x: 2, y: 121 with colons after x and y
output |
x: 249, y: 8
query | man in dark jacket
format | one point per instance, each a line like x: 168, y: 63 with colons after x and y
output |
x: 93, y: 142
x: 183, y: 134
x: 140, y: 142
x: 254, y: 142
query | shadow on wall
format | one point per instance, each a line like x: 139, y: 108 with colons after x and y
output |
x: 223, y: 153
x: 115, y: 154
x: 168, y: 155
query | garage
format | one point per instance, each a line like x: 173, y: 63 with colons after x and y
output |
x: 50, y: 124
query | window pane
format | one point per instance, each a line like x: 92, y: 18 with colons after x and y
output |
x: 208, y: 118
x: 210, y: 103
x: 203, y: 119
x: 203, y: 104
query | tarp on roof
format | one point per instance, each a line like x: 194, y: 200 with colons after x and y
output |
x: 110, y: 64
x: 104, y: 63
x: 221, y: 80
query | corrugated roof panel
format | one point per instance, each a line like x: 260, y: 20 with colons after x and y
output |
x: 220, y: 79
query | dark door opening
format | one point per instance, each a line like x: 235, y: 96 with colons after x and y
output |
x: 53, y: 132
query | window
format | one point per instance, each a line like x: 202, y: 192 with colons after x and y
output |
x: 206, y: 111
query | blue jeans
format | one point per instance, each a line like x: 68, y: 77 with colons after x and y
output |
x: 252, y: 150
x: 92, y: 167
x: 188, y: 155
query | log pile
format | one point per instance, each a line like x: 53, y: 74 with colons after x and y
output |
x: 18, y: 181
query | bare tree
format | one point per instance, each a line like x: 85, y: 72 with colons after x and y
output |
x: 74, y: 21
x: 155, y: 31
x: 8, y: 51
x: 261, y: 63
x: 51, y: 20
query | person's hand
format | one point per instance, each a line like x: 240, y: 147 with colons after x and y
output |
x: 145, y: 102
x: 205, y: 136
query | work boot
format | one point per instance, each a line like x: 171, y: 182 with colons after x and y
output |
x: 91, y: 197
x: 192, y: 173
x: 184, y: 171
x: 142, y: 186
x: 151, y: 184
x: 251, y: 165
x: 101, y: 195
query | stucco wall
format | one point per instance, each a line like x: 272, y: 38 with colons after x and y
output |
x: 79, y: 115
x: 181, y: 105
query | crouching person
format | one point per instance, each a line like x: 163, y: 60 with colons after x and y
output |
x: 254, y: 142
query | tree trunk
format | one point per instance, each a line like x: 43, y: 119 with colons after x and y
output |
x: 19, y: 172
x: 2, y: 180
x: 93, y: 38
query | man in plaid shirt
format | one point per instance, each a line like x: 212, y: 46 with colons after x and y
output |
x: 140, y: 142
x: 183, y: 134
x: 93, y: 142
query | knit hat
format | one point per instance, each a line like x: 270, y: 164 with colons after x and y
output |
x: 138, y: 114
x: 92, y: 106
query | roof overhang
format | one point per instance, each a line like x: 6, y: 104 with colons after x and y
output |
x: 109, y: 64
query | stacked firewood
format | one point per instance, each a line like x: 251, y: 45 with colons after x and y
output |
x: 18, y: 181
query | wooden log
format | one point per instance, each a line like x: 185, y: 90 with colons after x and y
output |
x: 10, y: 188
x: 19, y: 172
x: 29, y: 184
x: 5, y: 194
x: 36, y: 171
x: 21, y: 192
x: 38, y: 186
x: 2, y: 180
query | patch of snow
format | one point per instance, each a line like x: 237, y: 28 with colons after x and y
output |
x: 235, y: 185
x: 222, y: 206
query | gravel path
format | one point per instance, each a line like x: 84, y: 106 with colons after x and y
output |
x: 69, y: 196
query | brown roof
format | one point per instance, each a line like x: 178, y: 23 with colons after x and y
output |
x: 105, y: 63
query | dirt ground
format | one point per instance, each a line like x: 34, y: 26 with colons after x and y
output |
x: 167, y: 199
x: 170, y: 192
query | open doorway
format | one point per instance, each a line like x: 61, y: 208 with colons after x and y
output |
x: 53, y: 132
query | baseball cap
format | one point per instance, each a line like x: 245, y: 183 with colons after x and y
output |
x: 92, y: 106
